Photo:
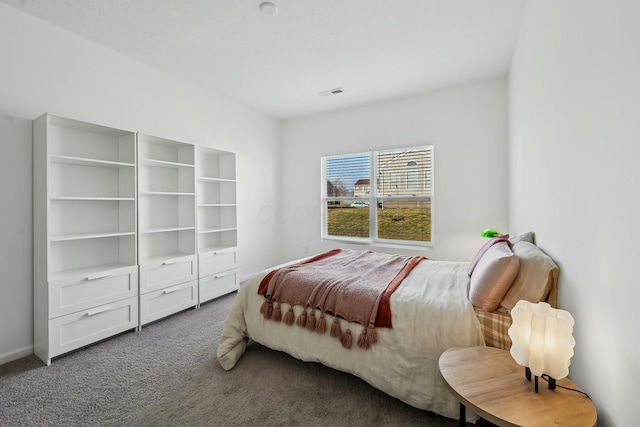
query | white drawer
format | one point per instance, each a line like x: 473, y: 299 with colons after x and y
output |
x: 216, y: 261
x: 76, y: 330
x: 70, y: 296
x: 158, y: 304
x: 158, y: 275
x: 218, y: 284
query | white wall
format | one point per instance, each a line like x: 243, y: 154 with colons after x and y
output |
x: 467, y: 126
x: 46, y: 69
x: 575, y: 149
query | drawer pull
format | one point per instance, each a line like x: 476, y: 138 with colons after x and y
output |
x: 171, y: 261
x: 100, y: 275
x: 98, y: 310
x: 219, y: 276
x: 170, y: 290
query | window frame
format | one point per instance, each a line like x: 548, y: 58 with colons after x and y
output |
x: 374, y: 198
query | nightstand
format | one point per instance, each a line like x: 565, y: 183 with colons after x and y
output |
x: 489, y: 382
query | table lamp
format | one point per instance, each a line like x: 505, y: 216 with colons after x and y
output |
x: 542, y: 340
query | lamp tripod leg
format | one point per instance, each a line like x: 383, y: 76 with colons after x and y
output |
x: 527, y: 374
x: 550, y: 379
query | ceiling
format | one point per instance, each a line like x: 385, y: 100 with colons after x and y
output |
x: 375, y: 50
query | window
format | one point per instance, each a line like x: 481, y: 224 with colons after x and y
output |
x: 427, y: 179
x: 412, y: 179
x: 365, y: 198
x: 394, y: 180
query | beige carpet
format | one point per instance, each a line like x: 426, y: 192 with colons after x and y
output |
x: 167, y: 375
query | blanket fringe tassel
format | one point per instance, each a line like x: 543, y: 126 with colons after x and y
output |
x: 302, y: 319
x: 336, y: 332
x: 272, y: 310
x: 372, y: 335
x: 311, y: 321
x: 287, y: 319
x: 277, y: 314
x: 321, y: 325
x: 263, y: 308
x: 266, y: 309
x: 346, y: 339
x: 367, y: 337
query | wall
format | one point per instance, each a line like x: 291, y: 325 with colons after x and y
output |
x: 467, y: 126
x: 575, y: 146
x: 46, y: 69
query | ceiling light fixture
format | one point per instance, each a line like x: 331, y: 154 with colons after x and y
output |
x: 268, y: 8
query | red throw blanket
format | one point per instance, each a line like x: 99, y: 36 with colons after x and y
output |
x: 351, y: 285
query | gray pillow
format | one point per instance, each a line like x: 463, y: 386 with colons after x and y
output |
x: 526, y: 237
x: 537, y: 277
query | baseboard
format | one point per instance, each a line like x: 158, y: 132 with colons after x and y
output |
x: 16, y: 354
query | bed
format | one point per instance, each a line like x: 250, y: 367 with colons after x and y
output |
x: 438, y: 305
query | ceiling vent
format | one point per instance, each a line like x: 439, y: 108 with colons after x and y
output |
x: 332, y: 91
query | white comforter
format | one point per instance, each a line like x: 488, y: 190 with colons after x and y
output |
x: 430, y: 313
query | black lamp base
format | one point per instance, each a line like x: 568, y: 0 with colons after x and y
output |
x: 550, y: 380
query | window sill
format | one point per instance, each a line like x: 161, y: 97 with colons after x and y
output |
x: 380, y: 244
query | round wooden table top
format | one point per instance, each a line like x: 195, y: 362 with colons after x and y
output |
x: 490, y: 383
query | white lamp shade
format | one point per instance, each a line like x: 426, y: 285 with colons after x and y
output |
x: 542, y: 338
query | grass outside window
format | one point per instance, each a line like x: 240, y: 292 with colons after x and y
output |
x: 413, y: 224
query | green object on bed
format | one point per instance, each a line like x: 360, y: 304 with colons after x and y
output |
x: 490, y: 232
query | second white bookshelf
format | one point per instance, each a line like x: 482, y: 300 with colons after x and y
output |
x: 166, y: 227
x: 217, y: 227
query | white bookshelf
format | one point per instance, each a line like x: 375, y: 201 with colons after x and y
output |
x: 166, y: 227
x: 217, y: 232
x: 128, y: 228
x: 84, y: 234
